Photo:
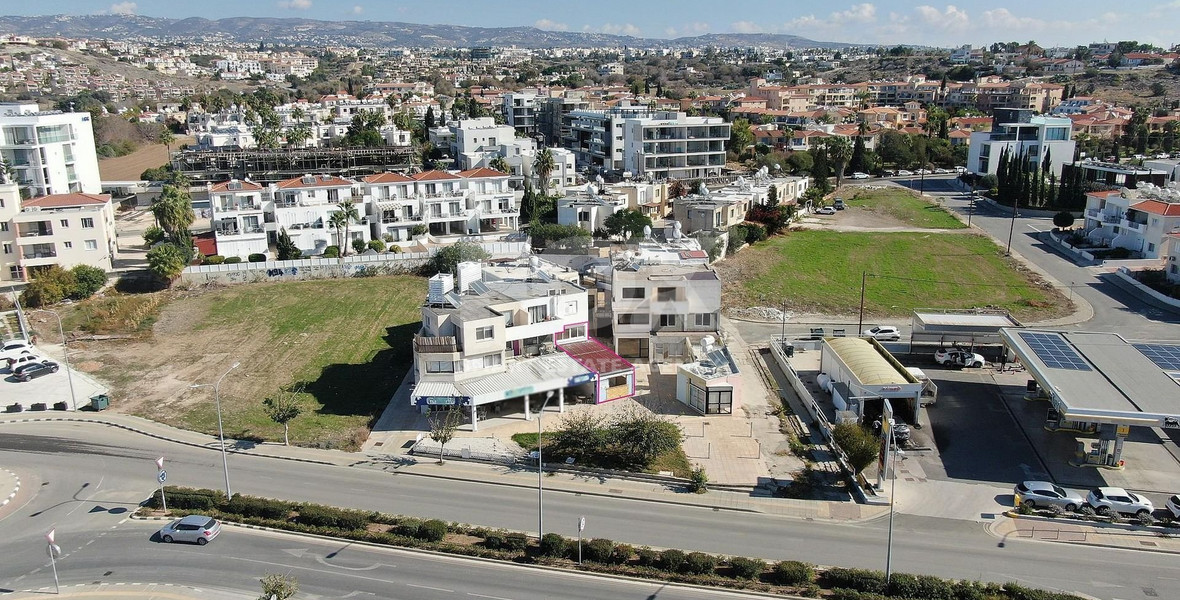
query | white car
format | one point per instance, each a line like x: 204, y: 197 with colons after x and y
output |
x: 827, y: 210
x: 905, y: 173
x: 859, y: 175
x: 21, y: 360
x: 959, y: 358
x: 15, y: 348
x: 1174, y: 506
x: 960, y: 170
x: 884, y: 333
x: 1108, y: 500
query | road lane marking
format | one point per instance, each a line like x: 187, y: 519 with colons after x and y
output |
x: 324, y: 562
x: 488, y: 597
x: 426, y: 587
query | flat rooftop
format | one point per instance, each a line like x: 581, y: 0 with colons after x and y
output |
x: 863, y: 359
x: 946, y: 319
x: 1102, y: 377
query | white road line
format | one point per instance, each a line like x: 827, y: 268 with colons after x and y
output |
x: 426, y: 587
x: 488, y: 597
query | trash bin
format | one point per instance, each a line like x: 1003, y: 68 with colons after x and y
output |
x: 100, y: 402
x: 789, y: 350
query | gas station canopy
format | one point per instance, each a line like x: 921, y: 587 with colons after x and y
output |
x: 966, y: 327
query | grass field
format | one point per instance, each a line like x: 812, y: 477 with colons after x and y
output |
x: 904, y: 206
x: 820, y: 271
x: 675, y: 461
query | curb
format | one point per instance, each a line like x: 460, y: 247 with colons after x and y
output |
x: 1014, y: 515
x: 14, y: 491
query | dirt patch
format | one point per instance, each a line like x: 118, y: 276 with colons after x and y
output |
x: 130, y: 167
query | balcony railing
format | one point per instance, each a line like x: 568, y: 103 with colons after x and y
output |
x: 40, y: 231
x: 41, y: 254
x: 435, y: 344
x: 1133, y: 225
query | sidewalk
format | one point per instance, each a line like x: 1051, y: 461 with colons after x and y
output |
x: 148, y: 591
x: 9, y: 486
x: 1127, y: 537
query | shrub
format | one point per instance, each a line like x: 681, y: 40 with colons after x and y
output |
x: 184, y: 498
x: 647, y: 557
x: 793, y: 572
x: 257, y: 257
x: 249, y: 506
x: 233, y: 260
x: 516, y: 542
x: 87, y: 281
x: 326, y: 516
x: 433, y: 530
x: 553, y: 546
x: 755, y: 233
x: 50, y: 285
x: 699, y: 563
x: 408, y: 527
x: 332, y: 252
x: 858, y: 443
x: 698, y: 480
x: 153, y: 235
x: 387, y: 237
x: 494, y: 540
x: 671, y: 560
x: 215, y: 259
x: 377, y: 245
x: 394, y: 248
x: 861, y: 580
x: 746, y: 568
x: 622, y: 554
x: 847, y: 594
x: 599, y: 550
x: 358, y: 246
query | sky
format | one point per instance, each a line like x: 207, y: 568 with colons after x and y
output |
x: 1048, y: 22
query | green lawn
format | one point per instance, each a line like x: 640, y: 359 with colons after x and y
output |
x: 675, y: 461
x: 904, y: 206
x: 820, y: 271
x: 345, y: 342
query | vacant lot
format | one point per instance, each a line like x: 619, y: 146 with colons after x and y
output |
x: 902, y: 206
x: 819, y: 271
x: 345, y: 343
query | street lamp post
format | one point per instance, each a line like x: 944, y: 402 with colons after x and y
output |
x: 65, y: 350
x: 220, y: 431
x: 1011, y: 229
x: 540, y: 484
x: 892, y: 503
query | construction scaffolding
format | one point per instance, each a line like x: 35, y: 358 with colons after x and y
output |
x: 271, y: 166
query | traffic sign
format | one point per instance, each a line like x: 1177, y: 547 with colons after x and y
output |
x: 163, y: 476
x: 581, y: 524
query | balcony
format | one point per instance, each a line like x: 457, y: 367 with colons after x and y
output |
x: 1094, y: 213
x: 238, y: 207
x: 39, y: 251
x: 1111, y: 219
x: 435, y: 344
x: 35, y: 231
x: 1133, y: 225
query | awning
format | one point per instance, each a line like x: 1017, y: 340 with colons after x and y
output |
x: 597, y: 358
x: 529, y: 376
x: 437, y: 393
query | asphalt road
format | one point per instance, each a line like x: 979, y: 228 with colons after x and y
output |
x: 87, y: 476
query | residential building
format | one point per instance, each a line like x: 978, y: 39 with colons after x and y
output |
x: 520, y: 112
x: 467, y: 202
x: 712, y: 211
x: 507, y: 337
x: 471, y: 138
x: 659, y: 311
x: 62, y: 229
x: 1143, y: 220
x: 394, y: 206
x: 551, y: 117
x: 1169, y: 166
x: 51, y: 152
x: 650, y: 199
x: 1172, y: 264
x: 239, y: 217
x: 1117, y: 175
x: 590, y: 208
x: 1018, y: 132
x: 304, y: 207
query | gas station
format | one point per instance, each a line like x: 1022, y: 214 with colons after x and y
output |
x: 1099, y: 384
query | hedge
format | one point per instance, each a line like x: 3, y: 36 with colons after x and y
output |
x: 861, y: 580
x: 552, y: 545
x: 256, y: 257
x: 433, y: 531
x: 699, y: 563
x: 233, y: 260
x: 670, y: 560
x: 746, y: 568
x: 599, y: 550
x: 214, y: 259
x: 793, y: 572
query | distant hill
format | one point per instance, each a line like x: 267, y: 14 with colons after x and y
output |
x: 362, y: 33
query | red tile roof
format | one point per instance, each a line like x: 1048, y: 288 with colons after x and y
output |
x: 67, y: 200
x: 1156, y: 207
x: 206, y: 243
x: 596, y: 357
x: 314, y: 181
x: 482, y: 172
x: 434, y: 176
x: 386, y: 178
x: 246, y: 186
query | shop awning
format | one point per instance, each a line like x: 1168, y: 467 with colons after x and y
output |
x: 597, y: 358
x: 437, y: 393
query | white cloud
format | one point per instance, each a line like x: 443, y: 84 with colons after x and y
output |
x: 858, y: 13
x: 952, y: 18
x: 123, y: 8
x: 687, y: 30
x: 1002, y: 18
x: 551, y: 25
x: 622, y: 29
x: 358, y: 9
x: 295, y: 4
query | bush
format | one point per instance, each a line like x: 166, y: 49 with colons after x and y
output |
x: 215, y: 259
x: 394, y: 248
x: 233, y: 260
x: 793, y: 572
x: 358, y: 246
x: 50, y: 285
x: 87, y: 281
x: 494, y: 540
x: 847, y: 594
x: 517, y: 542
x: 647, y: 557
x: 553, y: 546
x: 746, y: 568
x: 622, y: 554
x: 699, y: 563
x: 188, y: 499
x: 248, y: 506
x: 257, y: 257
x: 408, y: 527
x: 861, y: 580
x: 671, y: 560
x: 755, y: 233
x: 326, y: 516
x: 858, y: 443
x: 599, y: 550
x: 377, y: 245
x: 433, y: 530
x: 698, y: 480
x: 153, y: 235
x: 332, y: 252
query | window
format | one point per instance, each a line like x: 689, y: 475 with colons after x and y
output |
x: 87, y: 223
x: 666, y: 294
x: 703, y: 319
x: 538, y: 314
x: 69, y: 244
x: 91, y: 244
x: 668, y: 320
x: 578, y: 331
x: 440, y: 366
x: 8, y: 248
x: 634, y: 319
x: 3, y: 226
x: 634, y: 293
x: 696, y: 398
x: 720, y: 402
x: 333, y: 195
x: 484, y: 333
x: 1151, y: 247
x: 65, y: 223
x: 491, y: 360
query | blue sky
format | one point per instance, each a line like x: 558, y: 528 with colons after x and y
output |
x: 1049, y: 22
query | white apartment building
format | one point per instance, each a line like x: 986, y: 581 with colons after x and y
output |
x: 1017, y: 131
x: 475, y: 201
x: 239, y: 217
x: 647, y: 143
x: 1143, y: 220
x: 51, y: 152
x: 62, y: 229
x: 660, y: 311
x: 304, y: 205
x: 589, y: 209
x: 498, y: 339
x: 520, y: 112
x: 1172, y: 264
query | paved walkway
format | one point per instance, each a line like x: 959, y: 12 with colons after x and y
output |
x: 9, y: 486
x: 1127, y: 537
x: 149, y: 591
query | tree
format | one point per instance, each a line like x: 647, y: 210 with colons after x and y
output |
x: 347, y: 210
x: 87, y: 281
x: 676, y: 189
x: 166, y: 261
x: 499, y: 164
x: 283, y: 408
x: 859, y: 444
x: 629, y: 220
x: 173, y: 210
x: 338, y: 222
x: 49, y: 285
x: 640, y: 436
x: 858, y: 162
x: 741, y: 137
x: 544, y: 165
x: 278, y: 587
x: 443, y: 424
x: 1158, y: 89
x: 365, y: 129
x: 1063, y: 219
x: 428, y: 122
x: 298, y: 135
x: 266, y: 126
x: 166, y: 138
x: 448, y: 258
x: 772, y: 195
x: 285, y: 248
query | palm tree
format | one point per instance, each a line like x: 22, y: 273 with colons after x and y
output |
x: 543, y: 164
x: 166, y: 138
x: 339, y: 222
x: 348, y: 213
x: 840, y: 152
x: 500, y: 165
x: 173, y: 210
x: 297, y: 114
x: 298, y: 134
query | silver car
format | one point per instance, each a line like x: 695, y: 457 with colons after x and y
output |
x: 1042, y: 494
x: 198, y: 529
x: 1108, y: 500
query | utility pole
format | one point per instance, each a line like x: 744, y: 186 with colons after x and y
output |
x: 861, y: 323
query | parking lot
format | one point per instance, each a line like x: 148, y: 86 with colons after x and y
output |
x: 49, y: 389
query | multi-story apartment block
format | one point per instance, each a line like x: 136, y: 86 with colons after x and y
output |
x: 62, y: 229
x: 1020, y: 133
x: 551, y: 117
x: 239, y: 217
x: 589, y: 210
x: 520, y: 112
x: 304, y: 206
x: 711, y: 212
x: 508, y: 337
x: 1144, y: 220
x: 659, y: 311
x: 446, y: 203
x: 51, y: 152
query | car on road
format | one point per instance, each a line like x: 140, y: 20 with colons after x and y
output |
x: 827, y: 210
x: 859, y: 175
x: 198, y: 529
x: 34, y: 370
x: 1174, y: 506
x: 22, y: 359
x: 839, y: 204
x: 884, y: 333
x: 15, y: 348
x: 923, y: 171
x: 1109, y: 500
x: 941, y: 171
x: 957, y: 357
x: 1043, y: 494
x: 905, y: 173
x: 960, y: 169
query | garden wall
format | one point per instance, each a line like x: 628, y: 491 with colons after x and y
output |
x: 1127, y: 281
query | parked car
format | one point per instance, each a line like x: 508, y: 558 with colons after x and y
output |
x: 22, y: 359
x: 15, y: 348
x: 34, y: 370
x: 1042, y: 494
x: 905, y: 173
x: 884, y: 333
x: 960, y: 169
x: 941, y: 171
x: 838, y: 204
x: 1108, y: 500
x: 1174, y: 506
x: 199, y: 529
x: 859, y: 175
x: 959, y: 357
x: 827, y: 210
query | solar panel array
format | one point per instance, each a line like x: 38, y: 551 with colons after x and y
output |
x: 1053, y: 351
x: 1165, y: 356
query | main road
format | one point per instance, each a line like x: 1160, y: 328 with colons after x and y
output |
x: 86, y: 477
